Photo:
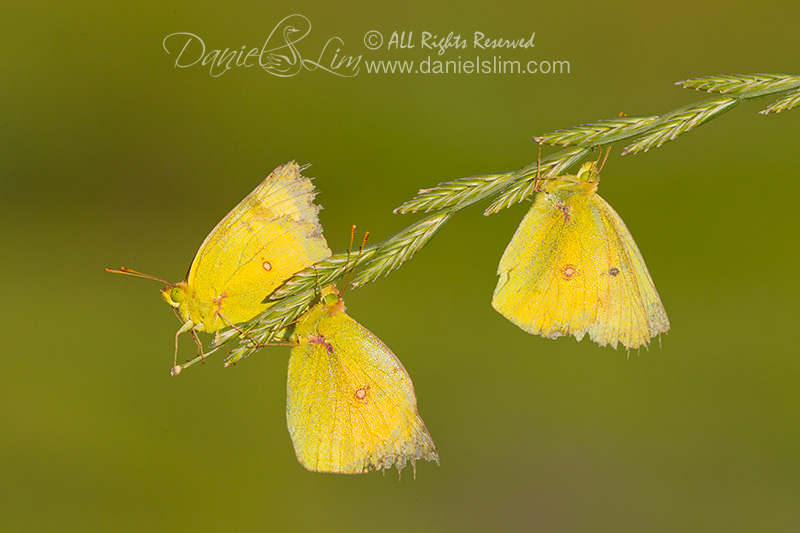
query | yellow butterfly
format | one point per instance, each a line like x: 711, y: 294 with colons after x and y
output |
x: 271, y: 235
x: 573, y: 268
x: 350, y: 404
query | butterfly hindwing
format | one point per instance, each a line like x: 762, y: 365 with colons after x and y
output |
x: 633, y: 312
x: 351, y: 406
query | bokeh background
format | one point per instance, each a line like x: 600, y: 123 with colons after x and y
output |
x: 111, y: 156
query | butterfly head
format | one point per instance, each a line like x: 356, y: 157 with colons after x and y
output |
x: 175, y: 295
x: 589, y: 173
x: 585, y: 181
x: 332, y: 300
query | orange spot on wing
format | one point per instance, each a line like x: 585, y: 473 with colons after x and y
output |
x: 568, y: 271
x: 361, y: 394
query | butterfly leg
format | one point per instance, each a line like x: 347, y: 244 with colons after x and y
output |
x: 200, y: 358
x: 187, y: 326
x: 255, y: 344
x: 538, y: 169
x: 199, y: 344
x: 316, y: 275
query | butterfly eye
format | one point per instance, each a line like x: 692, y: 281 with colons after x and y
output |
x: 176, y: 295
x: 331, y: 298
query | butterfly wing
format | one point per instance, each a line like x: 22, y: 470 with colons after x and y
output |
x: 351, y: 406
x: 546, y: 273
x: 631, y: 311
x: 573, y: 268
x: 272, y: 234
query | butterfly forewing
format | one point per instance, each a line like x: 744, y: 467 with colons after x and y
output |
x: 272, y: 234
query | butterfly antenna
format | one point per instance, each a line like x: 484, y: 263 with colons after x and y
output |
x: 604, y: 159
x: 599, y: 157
x: 358, y: 257
x: 129, y: 272
x: 538, y: 168
x: 349, y: 248
x: 347, y: 262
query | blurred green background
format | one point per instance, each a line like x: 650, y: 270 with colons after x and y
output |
x: 111, y: 156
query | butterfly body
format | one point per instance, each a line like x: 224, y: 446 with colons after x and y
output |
x: 351, y: 406
x: 573, y: 268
